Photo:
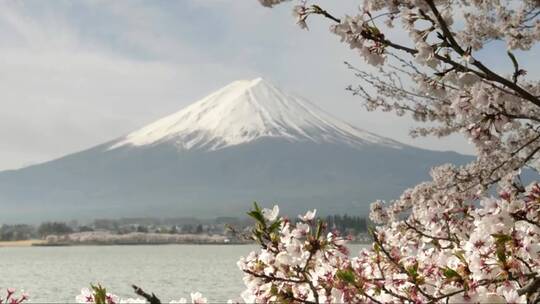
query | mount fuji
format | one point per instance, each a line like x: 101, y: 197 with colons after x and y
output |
x: 245, y: 111
x: 249, y: 141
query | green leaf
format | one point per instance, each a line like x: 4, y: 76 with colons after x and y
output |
x: 320, y: 229
x: 346, y: 275
x: 501, y: 254
x: 501, y: 238
x: 274, y: 290
x: 374, y: 30
x: 413, y: 270
x: 450, y: 273
x: 256, y: 215
x: 460, y: 256
x: 275, y: 226
x: 376, y: 248
x: 100, y: 294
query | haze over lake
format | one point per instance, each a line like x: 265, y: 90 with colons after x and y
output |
x: 56, y: 274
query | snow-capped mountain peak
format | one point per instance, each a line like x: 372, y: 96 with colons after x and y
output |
x: 244, y: 111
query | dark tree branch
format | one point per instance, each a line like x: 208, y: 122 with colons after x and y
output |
x: 490, y: 75
x: 484, y: 72
x: 152, y: 299
x: 318, y: 10
x: 531, y: 288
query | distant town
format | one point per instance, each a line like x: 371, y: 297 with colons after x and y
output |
x: 155, y: 231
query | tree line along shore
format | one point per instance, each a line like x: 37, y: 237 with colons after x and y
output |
x: 152, y: 231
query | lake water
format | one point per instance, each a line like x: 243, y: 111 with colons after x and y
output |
x: 56, y: 274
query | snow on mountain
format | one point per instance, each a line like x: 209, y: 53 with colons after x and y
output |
x: 244, y: 111
x: 280, y: 148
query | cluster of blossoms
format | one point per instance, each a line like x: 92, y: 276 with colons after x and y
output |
x: 298, y: 262
x: 465, y: 254
x: 99, y: 295
x: 12, y: 298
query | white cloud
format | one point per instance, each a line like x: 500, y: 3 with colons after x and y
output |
x: 75, y: 74
x: 59, y: 96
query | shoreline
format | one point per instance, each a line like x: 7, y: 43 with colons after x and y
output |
x: 131, y: 244
x: 43, y: 243
x: 22, y: 243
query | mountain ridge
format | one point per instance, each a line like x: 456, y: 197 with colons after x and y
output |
x: 301, y: 159
x: 246, y: 110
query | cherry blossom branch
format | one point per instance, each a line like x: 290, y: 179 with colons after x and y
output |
x: 273, y: 278
x: 428, y: 236
x: 401, y: 267
x: 151, y: 298
x: 490, y: 75
x: 319, y: 11
x: 485, y: 73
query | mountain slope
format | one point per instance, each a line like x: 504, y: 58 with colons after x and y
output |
x: 248, y: 141
x: 247, y: 110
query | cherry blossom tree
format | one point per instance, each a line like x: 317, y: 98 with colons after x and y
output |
x: 11, y: 297
x: 450, y: 239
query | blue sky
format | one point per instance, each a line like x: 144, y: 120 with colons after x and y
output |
x: 79, y: 73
